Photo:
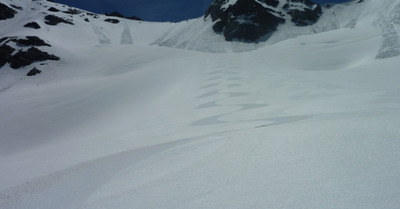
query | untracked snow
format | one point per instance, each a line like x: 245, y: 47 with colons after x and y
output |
x: 311, y: 121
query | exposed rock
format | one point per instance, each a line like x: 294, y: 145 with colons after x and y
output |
x: 255, y: 20
x: 3, y: 39
x: 117, y: 14
x: 95, y: 16
x: 33, y: 25
x: 54, y: 20
x: 52, y: 9
x: 307, y: 14
x: 5, y: 54
x: 6, y: 12
x: 245, y: 20
x: 28, y: 41
x: 33, y: 72
x: 72, y: 11
x: 32, y: 41
x: 114, y: 21
x: 25, y: 58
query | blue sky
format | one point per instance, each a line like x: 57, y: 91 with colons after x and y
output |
x: 154, y: 10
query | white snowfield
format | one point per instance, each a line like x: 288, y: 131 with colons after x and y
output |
x: 310, y: 119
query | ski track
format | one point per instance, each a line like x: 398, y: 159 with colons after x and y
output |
x: 271, y: 128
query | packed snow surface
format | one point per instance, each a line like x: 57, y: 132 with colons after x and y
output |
x: 308, y: 122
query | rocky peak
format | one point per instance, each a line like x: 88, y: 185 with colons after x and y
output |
x: 255, y: 20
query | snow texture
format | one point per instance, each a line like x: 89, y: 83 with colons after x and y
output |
x: 309, y: 119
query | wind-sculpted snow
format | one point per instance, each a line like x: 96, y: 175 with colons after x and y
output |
x: 309, y: 119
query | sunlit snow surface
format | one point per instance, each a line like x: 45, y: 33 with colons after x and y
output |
x: 308, y: 122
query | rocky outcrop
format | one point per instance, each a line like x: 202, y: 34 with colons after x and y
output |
x: 33, y: 72
x: 113, y: 21
x: 5, y: 54
x: 255, y: 20
x: 33, y: 25
x: 30, y: 41
x: 6, y: 12
x: 245, y: 20
x: 303, y: 12
x: 52, y: 9
x: 23, y: 57
x: 117, y: 14
x: 55, y: 20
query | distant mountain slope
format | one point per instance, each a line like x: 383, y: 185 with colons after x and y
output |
x: 380, y: 16
x: 65, y: 30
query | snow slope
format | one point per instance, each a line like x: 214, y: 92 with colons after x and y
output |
x: 308, y: 122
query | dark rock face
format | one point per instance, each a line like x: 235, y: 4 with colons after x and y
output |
x: 306, y: 15
x: 31, y: 41
x: 117, y: 14
x: 113, y: 21
x: 54, y: 20
x: 5, y: 54
x: 28, y: 41
x: 6, y: 12
x: 254, y: 20
x: 246, y: 20
x: 33, y: 72
x: 25, y: 58
x: 52, y: 9
x: 33, y: 25
x: 72, y: 11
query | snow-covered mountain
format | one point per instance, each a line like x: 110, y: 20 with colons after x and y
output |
x: 135, y: 114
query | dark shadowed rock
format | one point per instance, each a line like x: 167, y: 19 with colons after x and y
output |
x: 3, y: 39
x: 5, y: 54
x: 95, y: 16
x: 114, y: 21
x: 117, y: 14
x: 25, y: 58
x: 54, y: 20
x: 31, y: 41
x: 33, y: 25
x: 52, y: 9
x: 255, y: 20
x: 72, y: 11
x: 33, y: 72
x: 24, y: 42
x: 6, y: 12
x: 305, y: 15
x: 245, y: 20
